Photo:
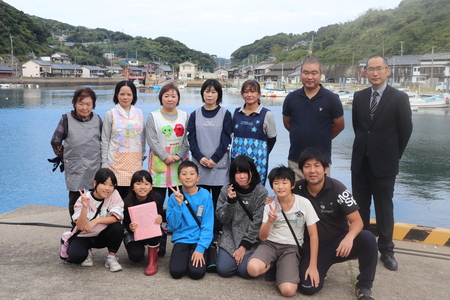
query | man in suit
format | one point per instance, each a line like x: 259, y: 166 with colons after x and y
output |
x: 382, y: 125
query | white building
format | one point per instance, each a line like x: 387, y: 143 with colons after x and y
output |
x: 188, y: 71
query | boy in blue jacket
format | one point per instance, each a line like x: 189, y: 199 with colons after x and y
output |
x: 190, y: 238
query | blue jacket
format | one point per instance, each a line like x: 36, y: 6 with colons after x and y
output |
x: 185, y: 228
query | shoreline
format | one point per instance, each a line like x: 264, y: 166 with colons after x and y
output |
x: 60, y: 81
x: 402, y: 231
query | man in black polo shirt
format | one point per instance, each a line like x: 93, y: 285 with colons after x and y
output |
x: 313, y: 115
x: 341, y: 234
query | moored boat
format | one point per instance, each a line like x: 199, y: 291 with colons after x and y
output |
x: 429, y: 100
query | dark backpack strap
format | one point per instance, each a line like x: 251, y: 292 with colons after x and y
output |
x: 95, y: 216
x: 244, y: 207
x: 292, y: 231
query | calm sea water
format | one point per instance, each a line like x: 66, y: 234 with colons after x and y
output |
x: 29, y: 118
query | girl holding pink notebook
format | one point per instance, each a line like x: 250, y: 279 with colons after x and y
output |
x: 141, y: 194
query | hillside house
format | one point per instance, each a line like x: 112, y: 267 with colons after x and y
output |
x: 280, y: 71
x: 221, y: 73
x: 426, y: 70
x: 233, y: 73
x: 261, y: 70
x: 36, y: 68
x: 60, y: 58
x: 163, y: 71
x: 93, y: 72
x: 188, y: 71
x: 5, y: 71
x: 66, y: 70
x: 133, y: 62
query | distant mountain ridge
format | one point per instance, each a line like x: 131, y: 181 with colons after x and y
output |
x: 414, y: 27
x: 32, y: 35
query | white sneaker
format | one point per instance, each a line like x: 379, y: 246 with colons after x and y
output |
x: 112, y: 264
x: 88, y: 261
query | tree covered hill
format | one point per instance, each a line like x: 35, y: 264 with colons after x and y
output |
x: 27, y: 36
x: 419, y: 24
x: 32, y: 35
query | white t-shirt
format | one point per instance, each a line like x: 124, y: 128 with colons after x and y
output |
x: 301, y: 212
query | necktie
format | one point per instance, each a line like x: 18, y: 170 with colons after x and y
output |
x: 373, y: 104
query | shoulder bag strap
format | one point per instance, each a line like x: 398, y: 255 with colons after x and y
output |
x: 244, y: 207
x: 292, y: 231
x: 191, y: 210
x: 95, y: 216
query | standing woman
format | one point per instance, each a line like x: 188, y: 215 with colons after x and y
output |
x: 254, y: 129
x: 209, y: 135
x: 80, y: 129
x: 166, y: 136
x: 240, y: 209
x: 123, y: 136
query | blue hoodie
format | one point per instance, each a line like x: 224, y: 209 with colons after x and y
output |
x: 185, y: 228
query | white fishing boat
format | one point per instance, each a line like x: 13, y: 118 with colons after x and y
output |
x: 274, y: 93
x: 345, y: 96
x: 428, y: 101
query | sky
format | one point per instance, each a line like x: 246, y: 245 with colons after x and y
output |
x: 213, y: 27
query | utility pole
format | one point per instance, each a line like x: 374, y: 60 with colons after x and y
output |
x: 12, y: 55
x: 310, y: 46
x: 432, y: 64
x: 401, y: 48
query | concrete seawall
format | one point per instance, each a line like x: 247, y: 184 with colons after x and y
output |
x: 46, y: 81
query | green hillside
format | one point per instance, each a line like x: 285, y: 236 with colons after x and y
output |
x: 32, y: 34
x: 26, y: 35
x: 419, y: 24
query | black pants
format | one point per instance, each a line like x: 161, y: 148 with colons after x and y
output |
x: 73, y: 197
x: 215, y: 192
x: 181, y: 263
x: 136, y: 249
x: 123, y: 191
x: 365, y: 185
x: 364, y: 249
x: 110, y: 237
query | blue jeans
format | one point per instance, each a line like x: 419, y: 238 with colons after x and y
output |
x: 227, y: 267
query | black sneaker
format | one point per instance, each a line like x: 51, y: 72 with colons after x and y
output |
x: 271, y: 273
x: 363, y: 294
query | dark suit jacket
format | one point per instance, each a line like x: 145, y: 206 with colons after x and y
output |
x: 385, y: 137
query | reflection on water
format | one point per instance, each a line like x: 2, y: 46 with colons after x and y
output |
x: 30, y: 116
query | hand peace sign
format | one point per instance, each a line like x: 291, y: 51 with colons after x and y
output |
x: 231, y: 192
x: 84, y: 198
x: 177, y: 194
x: 273, y: 215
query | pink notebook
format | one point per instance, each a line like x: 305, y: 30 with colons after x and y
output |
x: 145, y: 215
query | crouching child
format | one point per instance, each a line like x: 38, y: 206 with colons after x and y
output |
x: 190, y: 212
x: 279, y: 245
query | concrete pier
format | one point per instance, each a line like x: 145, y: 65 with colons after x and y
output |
x: 31, y: 269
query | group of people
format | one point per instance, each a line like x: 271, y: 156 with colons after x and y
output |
x: 312, y: 222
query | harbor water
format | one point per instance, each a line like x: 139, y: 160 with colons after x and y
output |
x: 30, y: 116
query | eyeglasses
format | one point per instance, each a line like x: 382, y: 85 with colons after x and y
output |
x: 378, y: 69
